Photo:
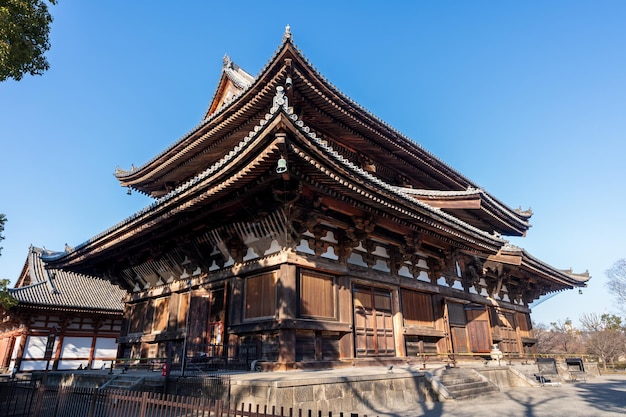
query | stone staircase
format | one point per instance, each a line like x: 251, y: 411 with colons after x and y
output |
x: 123, y: 382
x: 464, y: 383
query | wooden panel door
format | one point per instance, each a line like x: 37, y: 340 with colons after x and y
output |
x: 458, y: 323
x: 478, y: 329
x: 373, y: 323
x: 509, y: 343
x: 459, y: 339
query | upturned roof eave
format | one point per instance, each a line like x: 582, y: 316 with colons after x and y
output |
x: 492, y: 211
x: 521, y: 257
x: 226, y: 113
x: 162, y: 205
x: 192, y: 186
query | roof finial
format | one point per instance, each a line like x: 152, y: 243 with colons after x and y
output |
x: 227, y: 61
x: 287, y: 34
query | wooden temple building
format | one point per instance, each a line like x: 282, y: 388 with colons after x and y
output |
x: 294, y: 220
x: 62, y: 320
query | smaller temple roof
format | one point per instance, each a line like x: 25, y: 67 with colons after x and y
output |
x: 514, y: 255
x: 41, y: 287
x: 474, y: 206
x: 233, y: 82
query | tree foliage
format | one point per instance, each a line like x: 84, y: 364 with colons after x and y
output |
x: 617, y: 282
x: 24, y: 29
x: 7, y: 301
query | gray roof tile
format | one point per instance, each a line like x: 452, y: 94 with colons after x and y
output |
x: 58, y: 288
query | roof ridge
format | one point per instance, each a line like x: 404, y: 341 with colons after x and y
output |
x: 26, y: 287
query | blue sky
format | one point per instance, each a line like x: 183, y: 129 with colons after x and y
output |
x: 527, y: 99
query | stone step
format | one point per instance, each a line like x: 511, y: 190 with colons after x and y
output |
x: 123, y: 382
x: 473, y: 392
x: 460, y: 387
x: 459, y: 379
x: 465, y: 383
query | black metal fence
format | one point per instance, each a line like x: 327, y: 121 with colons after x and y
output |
x: 210, y: 358
x: 197, y: 360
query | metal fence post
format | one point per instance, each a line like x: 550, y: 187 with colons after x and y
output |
x: 94, y: 400
x: 40, y: 393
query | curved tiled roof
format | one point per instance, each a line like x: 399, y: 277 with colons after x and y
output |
x: 566, y: 277
x: 357, y: 114
x: 62, y: 289
x: 281, y: 106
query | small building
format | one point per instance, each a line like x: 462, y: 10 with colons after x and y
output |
x: 63, y: 320
x: 293, y: 220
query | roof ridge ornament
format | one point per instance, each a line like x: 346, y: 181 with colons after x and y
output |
x: 287, y: 35
x: 280, y: 100
x: 227, y: 61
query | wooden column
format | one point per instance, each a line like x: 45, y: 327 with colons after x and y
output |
x: 346, y: 315
x: 20, y: 350
x: 233, y: 307
x: 398, y: 324
x: 287, y: 299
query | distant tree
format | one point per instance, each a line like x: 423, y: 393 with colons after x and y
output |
x: 24, y: 29
x: 7, y: 301
x: 3, y: 220
x: 559, y: 338
x: 604, y: 336
x: 617, y: 282
x: 545, y: 338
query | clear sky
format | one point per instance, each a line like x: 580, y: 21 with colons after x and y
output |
x: 527, y: 99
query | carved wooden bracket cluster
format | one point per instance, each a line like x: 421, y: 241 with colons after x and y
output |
x: 472, y: 272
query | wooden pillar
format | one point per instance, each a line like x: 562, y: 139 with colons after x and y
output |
x: 234, y: 308
x: 97, y: 325
x: 4, y: 348
x: 287, y: 299
x: 398, y: 324
x: 346, y: 315
x: 20, y: 350
x: 61, y: 330
x: 233, y: 291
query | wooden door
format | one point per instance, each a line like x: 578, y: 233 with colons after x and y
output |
x: 373, y: 322
x: 469, y: 328
x: 458, y: 331
x: 509, y: 343
x: 478, y: 329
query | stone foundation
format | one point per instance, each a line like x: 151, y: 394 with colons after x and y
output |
x: 386, y: 391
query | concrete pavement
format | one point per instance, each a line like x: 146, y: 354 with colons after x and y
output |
x: 600, y: 396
